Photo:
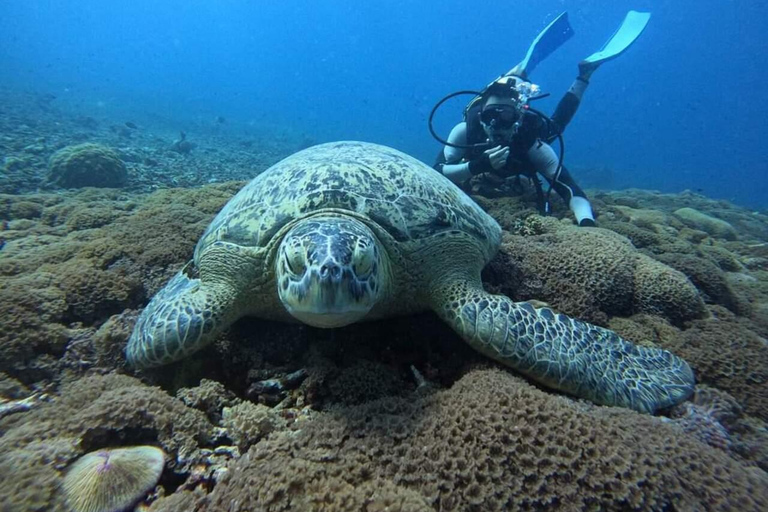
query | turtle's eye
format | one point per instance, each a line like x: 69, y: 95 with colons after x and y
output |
x: 295, y: 260
x: 364, y: 259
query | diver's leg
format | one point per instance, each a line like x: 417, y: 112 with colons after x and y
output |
x: 545, y: 161
x: 568, y: 106
x: 631, y: 28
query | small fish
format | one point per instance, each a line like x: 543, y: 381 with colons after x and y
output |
x: 221, y: 119
x: 131, y: 125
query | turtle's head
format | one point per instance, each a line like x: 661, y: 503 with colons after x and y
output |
x: 329, y: 271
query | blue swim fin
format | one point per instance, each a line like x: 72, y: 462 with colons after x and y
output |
x: 550, y: 39
x: 633, y: 25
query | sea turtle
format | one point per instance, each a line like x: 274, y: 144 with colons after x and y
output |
x: 350, y: 231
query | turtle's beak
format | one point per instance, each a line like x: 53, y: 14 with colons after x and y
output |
x: 328, y: 296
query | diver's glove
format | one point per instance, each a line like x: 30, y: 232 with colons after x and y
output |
x: 480, y: 165
x: 492, y: 160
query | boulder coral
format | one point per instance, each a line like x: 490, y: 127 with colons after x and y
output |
x: 592, y: 275
x: 666, y: 292
x: 725, y: 354
x: 87, y: 255
x: 490, y: 442
x: 713, y: 226
x: 87, y: 165
x: 708, y: 278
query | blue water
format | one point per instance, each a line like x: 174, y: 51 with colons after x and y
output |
x: 684, y: 108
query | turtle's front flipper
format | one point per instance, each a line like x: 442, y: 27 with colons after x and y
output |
x: 181, y: 319
x: 563, y: 353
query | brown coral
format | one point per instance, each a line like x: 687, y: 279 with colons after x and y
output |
x: 99, y: 410
x: 492, y: 442
x: 711, y: 225
x: 247, y: 422
x: 592, y: 275
x: 661, y: 290
x: 584, y: 274
x: 31, y: 475
x: 209, y: 396
x: 725, y: 354
x: 83, y: 263
x: 364, y: 382
x: 87, y: 165
x: 708, y: 278
x: 89, y: 414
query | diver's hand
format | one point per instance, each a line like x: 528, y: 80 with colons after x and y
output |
x: 498, y: 157
x: 492, y: 160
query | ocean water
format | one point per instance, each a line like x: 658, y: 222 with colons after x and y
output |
x: 682, y: 109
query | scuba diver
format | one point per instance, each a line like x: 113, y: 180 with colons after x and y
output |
x: 502, y: 135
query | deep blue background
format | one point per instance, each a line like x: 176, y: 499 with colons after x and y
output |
x: 685, y: 107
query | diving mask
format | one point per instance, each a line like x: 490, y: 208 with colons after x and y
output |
x: 499, y: 116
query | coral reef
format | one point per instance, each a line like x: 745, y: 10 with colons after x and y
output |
x: 491, y: 442
x: 32, y: 476
x: 708, y: 278
x: 726, y: 355
x: 87, y: 165
x: 364, y: 382
x: 91, y: 413
x: 592, y: 275
x: 60, y: 270
x: 100, y: 409
x: 210, y: 397
x: 713, y: 226
x: 247, y: 423
x: 178, y: 501
x: 709, y: 416
x: 664, y: 291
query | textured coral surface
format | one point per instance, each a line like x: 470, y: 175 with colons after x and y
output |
x: 491, y: 442
x: 396, y: 415
x: 87, y: 165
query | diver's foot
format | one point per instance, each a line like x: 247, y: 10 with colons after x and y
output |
x: 518, y: 71
x: 587, y: 223
x: 586, y: 69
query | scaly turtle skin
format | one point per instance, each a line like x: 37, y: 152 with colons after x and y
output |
x: 351, y: 231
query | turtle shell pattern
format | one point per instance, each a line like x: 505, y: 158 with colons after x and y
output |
x: 402, y: 195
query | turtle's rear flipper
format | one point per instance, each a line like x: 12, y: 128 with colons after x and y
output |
x: 566, y: 354
x: 182, y: 318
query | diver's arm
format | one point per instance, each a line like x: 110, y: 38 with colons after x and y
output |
x: 491, y: 160
x: 453, y: 168
x: 566, y: 109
